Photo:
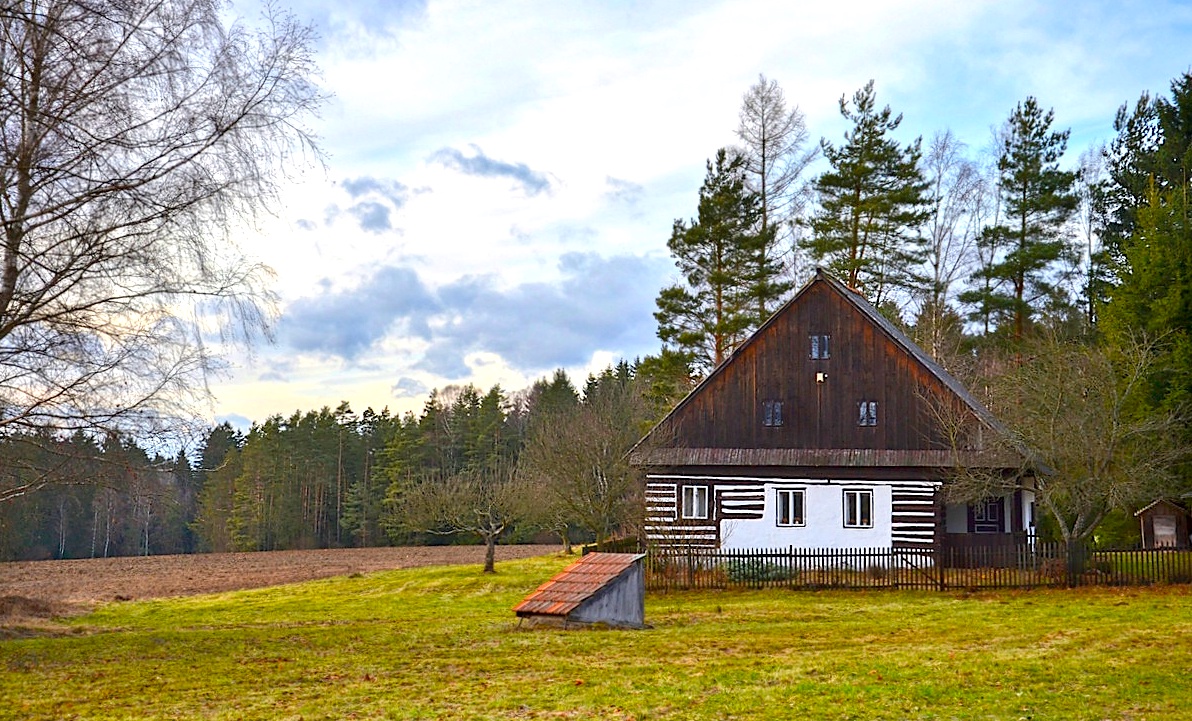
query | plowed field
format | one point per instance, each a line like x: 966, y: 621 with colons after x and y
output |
x: 53, y: 588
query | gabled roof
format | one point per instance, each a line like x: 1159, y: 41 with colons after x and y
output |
x: 854, y: 299
x: 576, y: 584
x: 1160, y: 502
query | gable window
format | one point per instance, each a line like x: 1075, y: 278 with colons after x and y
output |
x: 867, y: 413
x: 819, y: 347
x: 858, y: 509
x: 695, y: 502
x: 771, y: 414
x: 790, y: 507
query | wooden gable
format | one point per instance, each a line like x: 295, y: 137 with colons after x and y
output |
x: 876, y: 399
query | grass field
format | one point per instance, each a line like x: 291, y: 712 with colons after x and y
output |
x: 443, y: 643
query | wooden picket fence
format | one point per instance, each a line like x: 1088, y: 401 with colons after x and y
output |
x: 1025, y: 565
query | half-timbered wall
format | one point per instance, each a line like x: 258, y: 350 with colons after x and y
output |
x: 743, y: 512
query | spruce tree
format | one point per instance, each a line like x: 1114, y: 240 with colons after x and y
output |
x: 872, y: 204
x: 1038, y: 198
x: 713, y: 310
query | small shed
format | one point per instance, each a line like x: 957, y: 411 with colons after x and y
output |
x: 600, y: 588
x: 1164, y: 525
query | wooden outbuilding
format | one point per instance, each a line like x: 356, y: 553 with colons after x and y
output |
x: 828, y: 428
x: 600, y: 588
x: 1165, y: 524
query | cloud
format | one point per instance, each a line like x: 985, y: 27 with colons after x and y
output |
x: 353, y: 28
x: 375, y: 200
x: 409, y: 388
x: 393, y: 191
x: 623, y: 191
x: 532, y: 182
x: 348, y: 322
x: 597, y: 304
x: 372, y: 217
x: 235, y: 420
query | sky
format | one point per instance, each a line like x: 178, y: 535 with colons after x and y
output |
x: 501, y: 178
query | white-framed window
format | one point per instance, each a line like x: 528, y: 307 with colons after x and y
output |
x: 867, y: 413
x: 858, y: 509
x: 695, y: 502
x: 790, y: 507
x: 820, y: 346
x: 771, y: 413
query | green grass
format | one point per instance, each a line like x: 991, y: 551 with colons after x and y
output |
x: 443, y: 643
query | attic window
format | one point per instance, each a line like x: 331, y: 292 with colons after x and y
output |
x: 867, y: 413
x: 820, y: 347
x: 772, y: 414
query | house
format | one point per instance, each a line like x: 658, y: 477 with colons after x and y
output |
x: 1165, y: 524
x: 600, y: 588
x: 827, y: 428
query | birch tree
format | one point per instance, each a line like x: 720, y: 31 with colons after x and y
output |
x: 137, y: 138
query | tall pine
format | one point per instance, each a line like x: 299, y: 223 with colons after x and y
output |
x: 707, y: 315
x: 1029, y: 243
x: 873, y: 202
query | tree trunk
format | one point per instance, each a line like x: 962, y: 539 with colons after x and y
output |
x: 490, y: 552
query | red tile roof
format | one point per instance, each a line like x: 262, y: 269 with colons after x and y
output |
x: 575, y: 584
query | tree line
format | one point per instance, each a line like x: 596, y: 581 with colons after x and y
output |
x: 472, y: 465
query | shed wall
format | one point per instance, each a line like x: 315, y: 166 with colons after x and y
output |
x: 620, y: 603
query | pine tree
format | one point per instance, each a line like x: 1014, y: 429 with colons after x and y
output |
x: 872, y: 204
x: 1038, y: 199
x: 709, y: 314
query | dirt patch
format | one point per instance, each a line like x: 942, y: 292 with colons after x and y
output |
x: 36, y: 589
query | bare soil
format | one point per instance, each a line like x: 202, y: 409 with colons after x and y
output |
x: 31, y: 590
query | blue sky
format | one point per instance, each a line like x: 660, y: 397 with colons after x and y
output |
x: 501, y: 178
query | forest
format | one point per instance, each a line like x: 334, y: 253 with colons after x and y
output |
x: 1047, y: 286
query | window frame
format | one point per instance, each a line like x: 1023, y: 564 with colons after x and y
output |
x: 698, y: 493
x: 772, y: 413
x: 801, y: 520
x: 853, y: 501
x: 867, y: 414
x: 819, y: 346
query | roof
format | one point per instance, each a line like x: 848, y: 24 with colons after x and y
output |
x: 575, y: 584
x: 658, y: 456
x: 1160, y: 502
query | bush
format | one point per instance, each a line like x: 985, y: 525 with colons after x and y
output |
x: 756, y: 570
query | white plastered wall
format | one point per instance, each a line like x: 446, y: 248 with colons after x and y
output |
x: 824, y: 526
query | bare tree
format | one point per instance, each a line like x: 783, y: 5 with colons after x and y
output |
x: 1078, y: 415
x: 486, y: 502
x: 958, y: 193
x: 136, y: 138
x: 578, y: 460
x: 774, y: 139
x: 1090, y: 219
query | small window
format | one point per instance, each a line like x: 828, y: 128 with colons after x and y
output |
x: 695, y: 502
x: 771, y: 414
x: 858, y: 509
x: 790, y: 507
x: 820, y: 347
x: 867, y: 413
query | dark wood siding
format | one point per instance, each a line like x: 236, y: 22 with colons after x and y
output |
x: 865, y: 365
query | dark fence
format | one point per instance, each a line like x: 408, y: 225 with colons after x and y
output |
x: 616, y: 545
x: 1027, y: 565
